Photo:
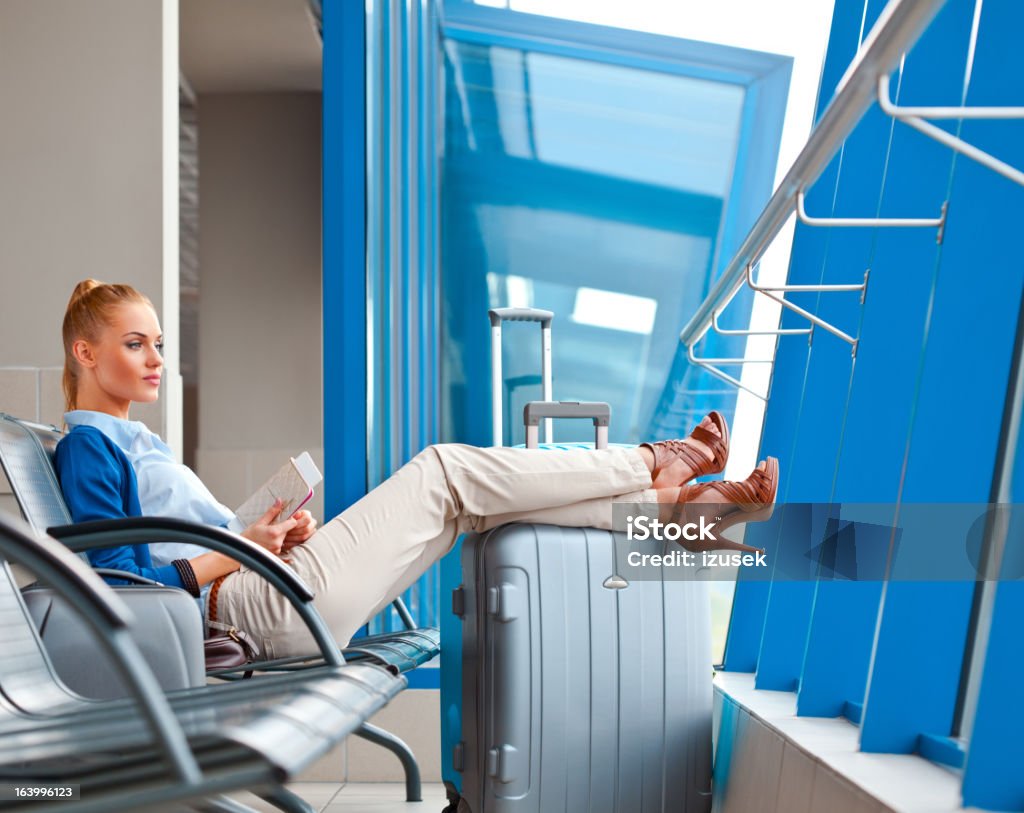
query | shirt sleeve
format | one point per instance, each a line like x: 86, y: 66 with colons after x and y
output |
x: 94, y: 487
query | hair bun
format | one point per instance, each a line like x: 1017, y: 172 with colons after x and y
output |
x: 83, y: 288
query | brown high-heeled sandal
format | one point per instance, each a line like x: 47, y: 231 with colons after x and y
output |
x: 754, y: 499
x: 667, y: 452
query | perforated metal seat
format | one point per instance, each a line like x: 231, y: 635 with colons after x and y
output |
x: 26, y: 453
x: 154, y: 748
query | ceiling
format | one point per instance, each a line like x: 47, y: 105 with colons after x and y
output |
x: 249, y: 46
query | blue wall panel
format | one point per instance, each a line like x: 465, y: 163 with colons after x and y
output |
x: 790, y: 603
x: 822, y: 255
x: 746, y: 623
x: 966, y: 347
x: 992, y: 775
x: 993, y: 779
x: 914, y: 419
x: 883, y: 180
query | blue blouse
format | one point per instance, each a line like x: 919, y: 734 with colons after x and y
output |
x: 99, y: 483
x: 110, y: 467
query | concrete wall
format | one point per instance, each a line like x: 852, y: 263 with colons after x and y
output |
x: 260, y: 397
x: 88, y: 162
x: 771, y: 773
x: 770, y: 760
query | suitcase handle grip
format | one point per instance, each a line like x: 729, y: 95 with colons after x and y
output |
x: 498, y: 315
x: 597, y: 411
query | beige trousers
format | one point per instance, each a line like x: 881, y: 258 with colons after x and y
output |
x: 370, y: 553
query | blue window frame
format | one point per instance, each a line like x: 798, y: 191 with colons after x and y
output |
x: 344, y: 254
x: 380, y: 251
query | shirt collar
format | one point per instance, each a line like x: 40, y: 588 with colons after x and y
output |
x: 123, y: 432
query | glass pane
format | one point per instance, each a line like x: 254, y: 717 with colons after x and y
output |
x: 593, y: 190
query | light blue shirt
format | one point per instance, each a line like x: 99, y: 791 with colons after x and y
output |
x: 166, y: 488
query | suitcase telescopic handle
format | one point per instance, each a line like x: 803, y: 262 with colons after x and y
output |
x: 597, y: 411
x: 497, y: 316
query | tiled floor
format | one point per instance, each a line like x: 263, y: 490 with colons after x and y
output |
x: 373, y: 797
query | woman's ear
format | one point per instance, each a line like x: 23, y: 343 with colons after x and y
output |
x: 83, y: 354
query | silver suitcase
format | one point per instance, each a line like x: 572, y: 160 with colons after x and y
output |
x: 578, y: 694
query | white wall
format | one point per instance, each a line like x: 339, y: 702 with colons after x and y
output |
x: 88, y: 159
x: 260, y: 396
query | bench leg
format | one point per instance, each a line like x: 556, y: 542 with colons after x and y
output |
x: 413, y: 789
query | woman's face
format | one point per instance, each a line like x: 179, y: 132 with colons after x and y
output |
x: 127, y: 358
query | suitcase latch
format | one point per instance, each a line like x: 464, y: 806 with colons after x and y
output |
x: 459, y: 601
x: 501, y: 763
x: 503, y: 602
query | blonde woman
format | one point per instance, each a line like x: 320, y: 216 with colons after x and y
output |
x: 110, y: 466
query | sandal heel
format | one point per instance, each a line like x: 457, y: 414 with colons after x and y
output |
x: 754, y: 499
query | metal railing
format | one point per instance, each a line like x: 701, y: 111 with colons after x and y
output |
x: 865, y: 82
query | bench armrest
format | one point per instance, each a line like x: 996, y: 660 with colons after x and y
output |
x: 109, y: 533
x: 134, y: 578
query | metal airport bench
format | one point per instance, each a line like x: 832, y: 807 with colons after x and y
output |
x: 26, y: 455
x: 155, y: 748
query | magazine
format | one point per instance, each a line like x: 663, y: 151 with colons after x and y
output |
x: 293, y: 482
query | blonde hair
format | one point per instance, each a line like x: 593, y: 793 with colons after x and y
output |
x: 90, y: 309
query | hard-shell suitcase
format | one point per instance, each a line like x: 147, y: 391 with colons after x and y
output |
x: 577, y: 697
x: 577, y: 694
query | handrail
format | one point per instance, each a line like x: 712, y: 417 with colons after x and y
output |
x: 898, y: 27
x: 915, y: 117
x: 795, y: 331
x: 870, y: 222
x: 810, y: 317
x: 890, y: 108
x: 711, y: 366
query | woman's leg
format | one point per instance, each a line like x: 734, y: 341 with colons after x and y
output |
x: 595, y: 513
x: 372, y: 551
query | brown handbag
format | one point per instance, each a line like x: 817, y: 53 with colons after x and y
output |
x: 230, y: 650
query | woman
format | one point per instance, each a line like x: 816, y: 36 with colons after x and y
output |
x: 361, y: 560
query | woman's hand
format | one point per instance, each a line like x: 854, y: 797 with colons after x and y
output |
x: 269, y: 534
x: 303, y: 530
